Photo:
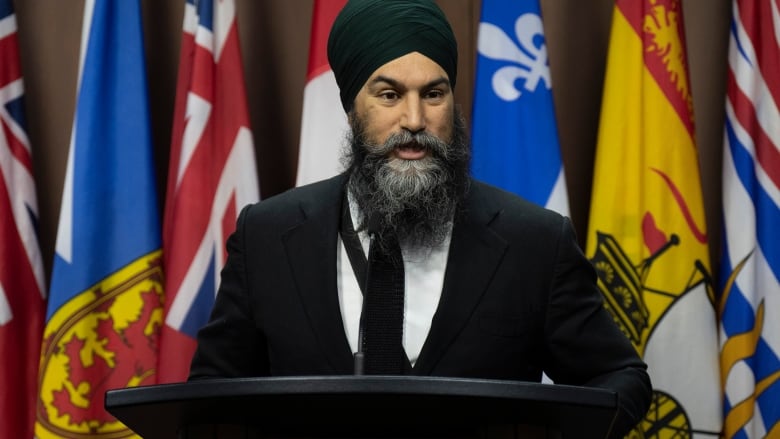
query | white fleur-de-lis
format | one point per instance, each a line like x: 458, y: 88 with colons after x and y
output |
x: 532, y: 59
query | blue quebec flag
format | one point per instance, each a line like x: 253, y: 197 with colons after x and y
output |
x: 515, y: 137
x: 105, y: 307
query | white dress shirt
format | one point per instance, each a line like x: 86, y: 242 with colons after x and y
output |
x: 423, y: 281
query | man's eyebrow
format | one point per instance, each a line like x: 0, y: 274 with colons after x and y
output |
x: 437, y: 82
x: 394, y: 83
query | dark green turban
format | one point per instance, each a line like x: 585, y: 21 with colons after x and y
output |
x: 368, y: 34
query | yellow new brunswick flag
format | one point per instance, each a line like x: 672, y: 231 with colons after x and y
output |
x: 647, y: 235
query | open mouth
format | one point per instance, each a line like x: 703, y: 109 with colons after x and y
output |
x: 411, y: 151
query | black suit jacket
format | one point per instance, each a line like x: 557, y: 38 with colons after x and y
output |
x: 519, y: 298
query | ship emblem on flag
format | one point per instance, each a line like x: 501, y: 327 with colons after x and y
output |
x: 647, y: 236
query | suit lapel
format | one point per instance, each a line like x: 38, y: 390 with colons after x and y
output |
x: 475, y: 253
x: 315, y: 274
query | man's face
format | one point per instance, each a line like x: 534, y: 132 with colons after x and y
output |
x: 409, y: 154
x: 410, y: 93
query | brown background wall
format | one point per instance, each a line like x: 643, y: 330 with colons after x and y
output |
x: 275, y: 40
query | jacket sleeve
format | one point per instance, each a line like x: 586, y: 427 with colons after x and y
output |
x: 585, y: 346
x: 230, y: 345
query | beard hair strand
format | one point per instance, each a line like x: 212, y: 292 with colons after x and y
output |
x: 416, y: 200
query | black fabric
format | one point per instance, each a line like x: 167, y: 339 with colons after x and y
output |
x: 370, y: 33
x: 519, y: 298
x: 359, y: 263
x: 357, y: 258
x: 384, y: 308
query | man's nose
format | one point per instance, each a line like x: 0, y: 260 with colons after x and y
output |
x: 413, y: 118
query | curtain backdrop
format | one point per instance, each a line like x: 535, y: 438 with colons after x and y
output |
x: 275, y: 37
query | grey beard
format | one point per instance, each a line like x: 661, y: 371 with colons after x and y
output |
x: 415, y: 199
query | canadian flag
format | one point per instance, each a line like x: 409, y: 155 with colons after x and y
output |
x: 324, y: 123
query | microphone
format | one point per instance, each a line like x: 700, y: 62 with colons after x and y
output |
x: 360, y: 356
x: 374, y: 226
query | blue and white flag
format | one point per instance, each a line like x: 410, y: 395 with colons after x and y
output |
x: 750, y: 263
x: 514, y: 133
x: 105, y: 308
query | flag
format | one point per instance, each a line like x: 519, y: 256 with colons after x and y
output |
x: 211, y: 175
x: 106, y: 296
x: 750, y: 262
x: 323, y: 122
x: 647, y: 236
x: 514, y: 134
x: 22, y: 290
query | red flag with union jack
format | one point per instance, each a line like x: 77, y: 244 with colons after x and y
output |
x: 22, y: 289
x: 211, y: 175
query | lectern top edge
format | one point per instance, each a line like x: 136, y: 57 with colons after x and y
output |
x: 374, y: 384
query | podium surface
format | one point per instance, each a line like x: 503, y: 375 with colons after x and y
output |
x: 362, y: 406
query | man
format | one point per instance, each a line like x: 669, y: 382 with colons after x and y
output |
x: 492, y: 286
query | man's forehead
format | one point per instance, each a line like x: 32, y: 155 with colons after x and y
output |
x: 413, y: 67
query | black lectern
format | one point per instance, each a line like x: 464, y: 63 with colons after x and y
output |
x: 363, y: 407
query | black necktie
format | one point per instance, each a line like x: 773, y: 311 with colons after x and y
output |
x: 384, y: 307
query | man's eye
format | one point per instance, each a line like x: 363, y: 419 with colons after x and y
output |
x: 435, y: 94
x: 388, y: 95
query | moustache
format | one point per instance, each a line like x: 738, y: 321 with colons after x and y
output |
x: 417, y: 141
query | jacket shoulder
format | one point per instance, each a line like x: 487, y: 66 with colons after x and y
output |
x: 297, y: 201
x: 509, y: 206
